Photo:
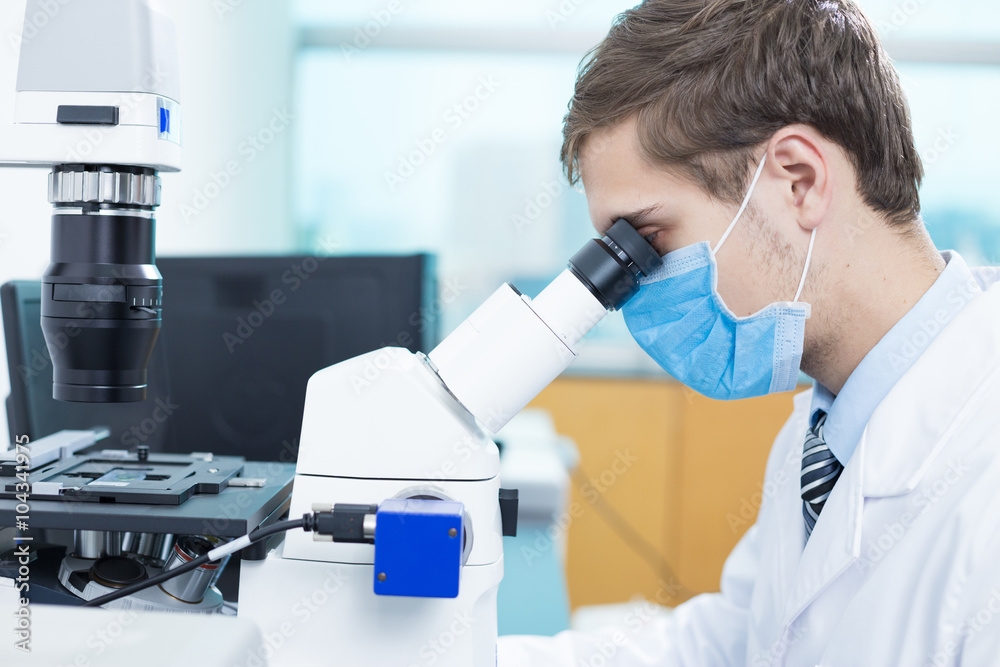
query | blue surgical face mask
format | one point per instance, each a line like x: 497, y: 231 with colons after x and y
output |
x: 680, y: 320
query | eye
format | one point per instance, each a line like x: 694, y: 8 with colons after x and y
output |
x: 660, y: 241
x: 651, y: 232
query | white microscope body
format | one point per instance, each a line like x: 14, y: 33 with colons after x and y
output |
x: 393, y: 424
x: 87, y: 57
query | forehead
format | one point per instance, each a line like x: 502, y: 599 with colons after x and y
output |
x: 608, y: 150
x: 618, y: 178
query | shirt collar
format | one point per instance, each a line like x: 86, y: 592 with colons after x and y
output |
x: 849, y: 411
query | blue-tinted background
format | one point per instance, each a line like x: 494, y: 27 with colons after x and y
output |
x: 372, y: 85
x: 346, y: 93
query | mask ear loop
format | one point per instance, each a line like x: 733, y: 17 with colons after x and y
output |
x: 743, y: 206
x: 805, y: 269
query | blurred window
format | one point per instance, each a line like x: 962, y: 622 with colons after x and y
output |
x: 436, y: 126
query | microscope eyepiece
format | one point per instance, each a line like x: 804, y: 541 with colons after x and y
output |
x: 102, y: 292
x: 512, y: 346
x: 611, y: 267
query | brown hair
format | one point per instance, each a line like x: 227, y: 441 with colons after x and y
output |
x: 710, y: 80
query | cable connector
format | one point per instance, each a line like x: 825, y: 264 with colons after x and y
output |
x: 342, y: 522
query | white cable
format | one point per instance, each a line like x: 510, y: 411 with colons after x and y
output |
x: 805, y: 269
x: 743, y: 206
x: 228, y: 548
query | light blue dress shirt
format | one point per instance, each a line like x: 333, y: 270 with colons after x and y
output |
x: 849, y: 411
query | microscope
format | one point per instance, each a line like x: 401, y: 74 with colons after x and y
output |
x: 401, y: 548
x: 97, y: 103
x: 396, y: 452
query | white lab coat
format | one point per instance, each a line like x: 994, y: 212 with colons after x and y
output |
x: 903, y: 566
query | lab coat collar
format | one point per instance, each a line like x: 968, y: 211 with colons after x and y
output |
x: 945, y: 382
x: 900, y: 443
x: 835, y: 542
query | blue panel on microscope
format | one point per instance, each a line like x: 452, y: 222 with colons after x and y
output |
x: 418, y: 548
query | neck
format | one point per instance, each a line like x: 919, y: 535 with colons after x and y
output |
x: 871, y: 291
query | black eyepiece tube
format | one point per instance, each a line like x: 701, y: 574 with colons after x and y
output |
x: 102, y: 292
x: 611, y: 267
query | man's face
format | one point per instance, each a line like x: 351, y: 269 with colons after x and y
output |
x: 757, y: 263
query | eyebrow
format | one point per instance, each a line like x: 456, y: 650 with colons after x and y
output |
x: 636, y: 217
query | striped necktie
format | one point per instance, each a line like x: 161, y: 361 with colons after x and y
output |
x: 820, y: 470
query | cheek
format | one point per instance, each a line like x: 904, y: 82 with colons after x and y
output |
x: 757, y: 267
x: 746, y: 278
x: 739, y: 287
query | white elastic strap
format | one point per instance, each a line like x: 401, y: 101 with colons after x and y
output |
x: 805, y: 269
x: 743, y: 206
x: 228, y: 548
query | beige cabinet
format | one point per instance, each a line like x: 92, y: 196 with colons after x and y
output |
x: 683, y: 470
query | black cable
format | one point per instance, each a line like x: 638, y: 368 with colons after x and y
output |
x: 255, y: 536
x: 634, y: 540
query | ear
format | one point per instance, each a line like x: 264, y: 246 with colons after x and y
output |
x: 799, y: 157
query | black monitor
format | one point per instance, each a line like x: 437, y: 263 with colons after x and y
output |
x: 241, y: 336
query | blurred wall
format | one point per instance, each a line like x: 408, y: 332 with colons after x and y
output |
x: 232, y: 195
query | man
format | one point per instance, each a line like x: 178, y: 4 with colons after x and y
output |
x: 764, y: 147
